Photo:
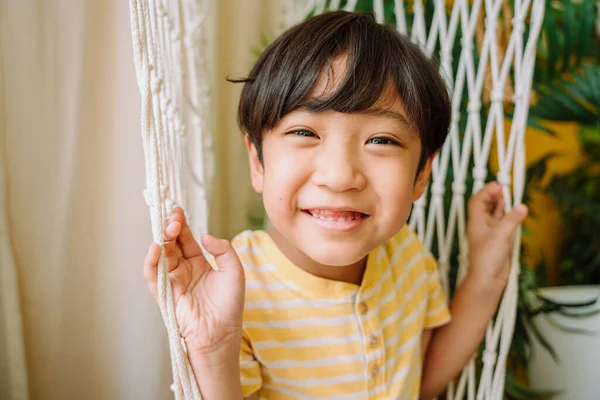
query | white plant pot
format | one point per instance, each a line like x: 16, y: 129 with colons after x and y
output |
x: 577, y: 374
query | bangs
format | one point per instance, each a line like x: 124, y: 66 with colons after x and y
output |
x: 358, y: 90
x: 368, y: 70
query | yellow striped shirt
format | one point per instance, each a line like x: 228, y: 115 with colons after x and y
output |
x: 306, y: 337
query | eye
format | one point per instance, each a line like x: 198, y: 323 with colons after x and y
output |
x: 383, y: 140
x: 302, y: 132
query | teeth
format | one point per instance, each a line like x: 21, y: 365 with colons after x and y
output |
x: 326, y: 215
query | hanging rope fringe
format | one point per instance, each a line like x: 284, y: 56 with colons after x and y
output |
x: 169, y: 55
x: 168, y: 50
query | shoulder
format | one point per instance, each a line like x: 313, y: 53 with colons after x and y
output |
x: 247, y: 241
x: 250, y: 248
x: 253, y: 250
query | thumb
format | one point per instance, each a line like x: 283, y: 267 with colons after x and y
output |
x: 511, y: 221
x: 224, y: 254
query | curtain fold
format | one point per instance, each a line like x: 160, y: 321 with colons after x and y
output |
x: 13, y: 371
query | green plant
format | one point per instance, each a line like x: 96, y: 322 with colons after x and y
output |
x: 567, y: 38
x: 576, y: 97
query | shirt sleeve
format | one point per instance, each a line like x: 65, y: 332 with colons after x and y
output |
x: 437, y: 312
x: 250, y: 375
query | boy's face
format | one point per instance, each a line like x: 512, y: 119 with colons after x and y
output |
x: 335, y: 186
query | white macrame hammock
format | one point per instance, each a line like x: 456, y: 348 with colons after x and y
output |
x: 169, y: 39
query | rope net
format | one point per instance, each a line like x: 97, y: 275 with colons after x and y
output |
x: 486, y: 50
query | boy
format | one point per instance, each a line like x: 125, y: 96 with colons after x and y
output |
x: 342, y: 118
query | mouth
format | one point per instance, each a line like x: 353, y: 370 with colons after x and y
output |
x: 338, y: 220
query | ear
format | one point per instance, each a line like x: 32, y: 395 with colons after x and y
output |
x: 256, y: 167
x: 423, y: 178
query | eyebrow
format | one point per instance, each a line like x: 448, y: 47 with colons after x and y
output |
x: 386, y: 113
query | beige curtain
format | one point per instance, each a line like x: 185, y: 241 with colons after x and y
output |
x: 76, y: 321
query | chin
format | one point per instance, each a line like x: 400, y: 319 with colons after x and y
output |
x: 336, y: 257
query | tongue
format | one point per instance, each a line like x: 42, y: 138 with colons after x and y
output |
x: 335, y: 214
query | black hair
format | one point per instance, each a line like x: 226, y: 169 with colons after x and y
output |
x: 376, y: 54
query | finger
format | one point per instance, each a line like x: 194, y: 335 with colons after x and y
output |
x: 189, y: 246
x: 171, y: 256
x: 224, y: 254
x: 498, y: 212
x: 151, y: 269
x: 172, y: 230
x: 508, y: 225
x: 485, y: 200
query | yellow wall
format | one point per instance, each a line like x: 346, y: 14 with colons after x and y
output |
x: 544, y: 221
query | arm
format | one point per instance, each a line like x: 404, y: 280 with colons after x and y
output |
x: 475, y: 302
x: 221, y: 374
x: 452, y: 345
x: 425, y: 338
x: 219, y: 381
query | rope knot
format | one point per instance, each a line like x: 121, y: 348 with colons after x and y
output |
x: 518, y: 24
x: 156, y: 84
x: 503, y: 178
x: 466, y: 44
x: 497, y: 96
x: 479, y: 173
x: 437, y: 189
x: 474, y: 106
x: 490, y: 23
x: 459, y: 188
x: 443, y: 264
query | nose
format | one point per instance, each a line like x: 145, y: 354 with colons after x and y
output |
x: 338, y: 168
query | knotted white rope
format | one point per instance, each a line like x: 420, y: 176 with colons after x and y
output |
x: 474, y: 144
x: 168, y: 43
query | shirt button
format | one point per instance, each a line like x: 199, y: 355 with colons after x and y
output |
x: 373, y: 341
x: 362, y: 308
x: 374, y: 370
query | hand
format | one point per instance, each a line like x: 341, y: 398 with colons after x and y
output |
x: 208, y: 303
x: 489, y: 233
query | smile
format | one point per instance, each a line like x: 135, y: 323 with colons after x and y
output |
x: 337, y: 220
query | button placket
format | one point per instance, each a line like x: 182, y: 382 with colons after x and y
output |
x: 373, y: 341
x: 362, y: 308
x: 374, y: 371
x: 372, y: 346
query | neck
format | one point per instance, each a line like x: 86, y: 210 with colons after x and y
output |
x: 348, y: 273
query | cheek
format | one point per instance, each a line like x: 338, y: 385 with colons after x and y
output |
x: 395, y: 191
x: 284, y: 176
